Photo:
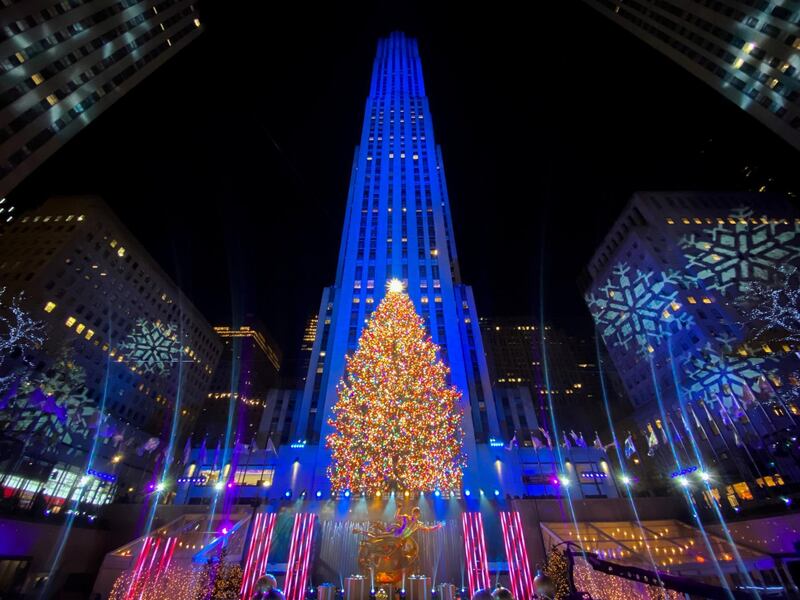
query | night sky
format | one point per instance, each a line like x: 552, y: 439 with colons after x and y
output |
x: 231, y: 163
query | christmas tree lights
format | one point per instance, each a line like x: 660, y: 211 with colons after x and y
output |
x: 397, y: 422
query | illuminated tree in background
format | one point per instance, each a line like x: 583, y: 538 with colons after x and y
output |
x: 19, y: 335
x: 397, y: 423
x: 772, y: 308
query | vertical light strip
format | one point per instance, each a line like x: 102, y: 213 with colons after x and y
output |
x: 299, y: 556
x: 258, y: 552
x: 252, y: 551
x: 148, y: 541
x: 475, y: 551
x: 517, y: 555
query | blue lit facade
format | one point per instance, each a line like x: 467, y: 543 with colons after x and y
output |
x: 665, y: 293
x: 397, y: 225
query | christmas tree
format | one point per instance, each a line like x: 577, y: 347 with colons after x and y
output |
x: 397, y: 422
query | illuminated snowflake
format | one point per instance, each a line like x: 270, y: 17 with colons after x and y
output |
x: 67, y: 414
x: 637, y: 310
x: 742, y: 249
x: 714, y: 367
x: 152, y: 346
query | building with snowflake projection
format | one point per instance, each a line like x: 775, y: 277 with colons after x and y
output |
x: 670, y: 292
x: 125, y: 350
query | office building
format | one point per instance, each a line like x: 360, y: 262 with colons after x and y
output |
x: 747, y: 51
x: 62, y: 64
x: 670, y: 289
x: 125, y: 351
x: 247, y: 369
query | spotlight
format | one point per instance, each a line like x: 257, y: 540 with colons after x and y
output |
x: 625, y: 480
x: 683, y: 481
x: 406, y: 494
x: 481, y: 491
x: 265, y: 484
x: 160, y: 487
x: 347, y: 493
x: 704, y: 476
x: 437, y: 493
x: 224, y: 531
x: 287, y: 494
x: 218, y: 486
x: 318, y: 494
x: 378, y: 493
x: 467, y: 493
x: 497, y: 493
x: 564, y: 481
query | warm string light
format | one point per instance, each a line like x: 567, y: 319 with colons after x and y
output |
x: 611, y: 587
x: 397, y: 423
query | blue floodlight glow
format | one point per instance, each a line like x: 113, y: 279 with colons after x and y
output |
x: 298, y: 444
x: 497, y: 492
x: 437, y: 493
x: 347, y: 493
x: 287, y: 494
x: 467, y: 492
x: 495, y: 443
x: 318, y: 494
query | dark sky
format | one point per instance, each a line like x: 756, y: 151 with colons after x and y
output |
x: 231, y: 163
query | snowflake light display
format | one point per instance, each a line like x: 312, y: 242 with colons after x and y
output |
x: 152, y: 346
x: 637, y: 310
x: 709, y: 369
x: 71, y: 414
x: 742, y: 249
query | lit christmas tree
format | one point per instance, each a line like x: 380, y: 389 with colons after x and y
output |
x: 397, y: 423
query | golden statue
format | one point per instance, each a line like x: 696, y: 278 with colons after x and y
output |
x: 388, y: 552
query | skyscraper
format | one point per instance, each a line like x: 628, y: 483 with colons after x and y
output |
x: 397, y: 225
x: 247, y: 369
x: 747, y: 51
x: 64, y: 63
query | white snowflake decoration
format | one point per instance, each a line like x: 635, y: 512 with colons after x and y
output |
x: 742, y: 249
x: 637, y: 310
x: 714, y: 367
x: 152, y: 347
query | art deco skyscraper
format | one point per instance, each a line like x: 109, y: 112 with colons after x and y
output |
x: 748, y: 51
x: 63, y: 63
x: 397, y: 225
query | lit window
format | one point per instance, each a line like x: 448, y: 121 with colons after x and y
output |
x: 737, y: 64
x: 113, y: 243
x: 49, y: 307
x: 434, y: 252
x: 707, y: 300
x: 89, y: 334
x: 748, y: 47
x: 197, y: 22
x: 691, y: 300
x: 70, y: 322
x: 52, y: 99
x: 121, y: 252
x: 37, y: 78
x: 80, y: 328
x: 20, y: 57
x: 424, y: 299
x: 356, y: 299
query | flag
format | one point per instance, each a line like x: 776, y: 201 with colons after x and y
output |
x: 723, y: 415
x: 253, y: 446
x: 547, y: 437
x: 712, y: 423
x: 738, y: 410
x: 51, y: 407
x: 630, y: 449
x: 748, y: 399
x: 187, y: 450
x: 765, y: 387
x: 201, y: 455
x: 117, y: 438
x: 536, y: 442
x: 652, y: 440
x: 597, y: 443
x: 216, y: 455
x: 663, y: 430
x: 567, y: 444
x: 512, y: 443
x: 11, y: 393
x: 150, y: 445
x: 271, y: 446
x: 37, y: 399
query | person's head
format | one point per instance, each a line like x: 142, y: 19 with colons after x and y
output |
x: 501, y: 593
x: 416, y: 512
x: 485, y: 594
x: 266, y: 583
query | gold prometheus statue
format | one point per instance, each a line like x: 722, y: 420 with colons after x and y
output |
x: 388, y: 552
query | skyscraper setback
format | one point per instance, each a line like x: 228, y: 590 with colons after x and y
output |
x: 397, y: 225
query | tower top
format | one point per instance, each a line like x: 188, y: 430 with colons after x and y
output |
x: 397, y: 70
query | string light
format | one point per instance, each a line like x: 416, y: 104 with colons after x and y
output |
x: 397, y: 423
